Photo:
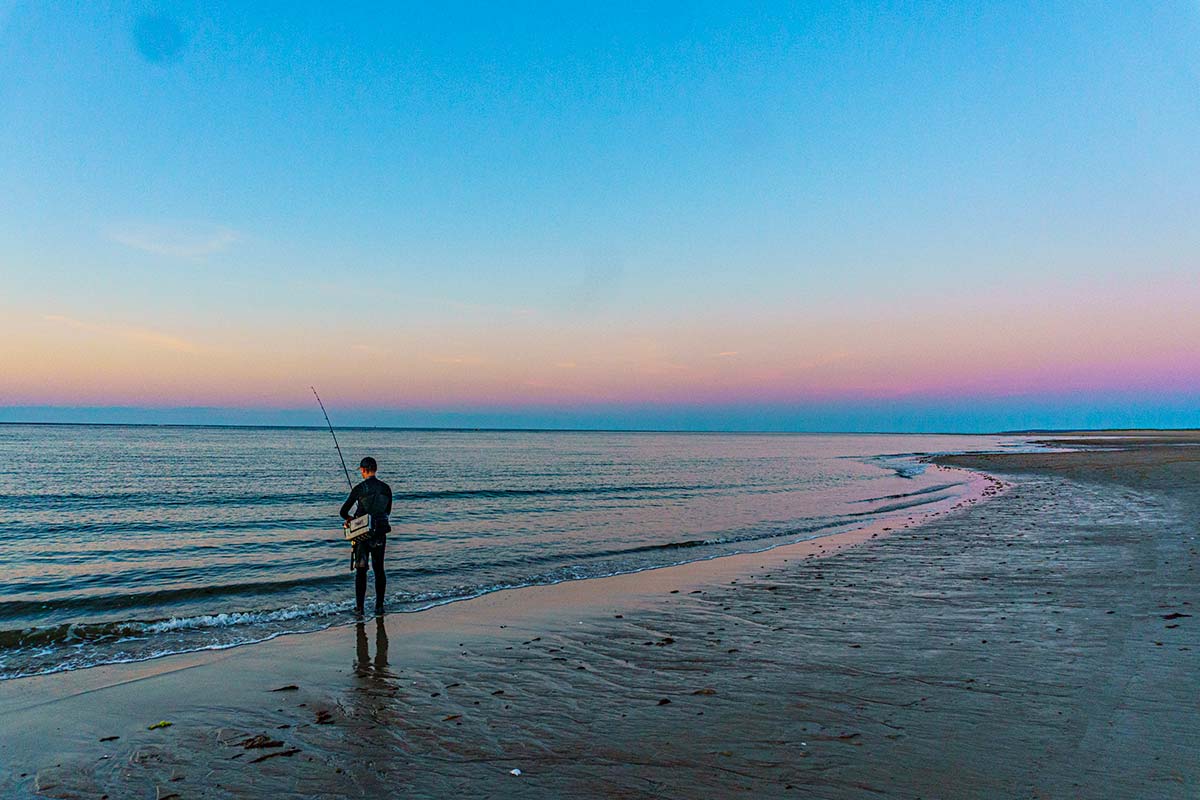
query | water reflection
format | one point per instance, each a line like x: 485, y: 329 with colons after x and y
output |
x: 364, y: 664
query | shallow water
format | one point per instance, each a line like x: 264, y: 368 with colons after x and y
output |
x: 124, y: 543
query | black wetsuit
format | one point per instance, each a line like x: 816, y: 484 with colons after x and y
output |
x: 373, y: 497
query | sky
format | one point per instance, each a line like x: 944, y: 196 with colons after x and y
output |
x: 710, y: 216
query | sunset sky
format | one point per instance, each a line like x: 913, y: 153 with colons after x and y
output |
x: 696, y: 215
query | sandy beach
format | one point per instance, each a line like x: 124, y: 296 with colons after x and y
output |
x: 1036, y: 641
x: 684, y: 401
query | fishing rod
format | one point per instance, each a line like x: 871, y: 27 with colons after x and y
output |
x: 334, y: 435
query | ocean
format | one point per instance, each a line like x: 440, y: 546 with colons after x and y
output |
x: 124, y: 543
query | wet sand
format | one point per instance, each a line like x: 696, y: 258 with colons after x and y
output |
x: 1039, y: 644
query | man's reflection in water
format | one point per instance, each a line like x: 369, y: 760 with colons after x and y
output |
x: 372, y: 718
x: 363, y: 663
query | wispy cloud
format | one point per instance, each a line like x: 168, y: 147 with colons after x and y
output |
x: 461, y: 361
x: 725, y: 354
x: 131, y: 333
x: 193, y: 240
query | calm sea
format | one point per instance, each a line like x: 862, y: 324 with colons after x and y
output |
x: 126, y: 543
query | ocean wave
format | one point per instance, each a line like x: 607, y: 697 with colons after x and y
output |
x: 18, y: 643
x: 907, y: 469
x: 159, y: 597
x: 927, y: 490
x: 914, y: 503
x: 10, y: 609
x: 107, y: 501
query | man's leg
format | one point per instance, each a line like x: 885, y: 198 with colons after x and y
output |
x: 380, y: 576
x: 360, y: 588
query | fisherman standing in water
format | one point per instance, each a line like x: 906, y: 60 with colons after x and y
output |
x: 373, y: 497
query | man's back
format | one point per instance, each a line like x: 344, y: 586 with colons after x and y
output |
x: 373, y: 497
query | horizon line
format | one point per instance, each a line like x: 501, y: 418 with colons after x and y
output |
x: 462, y: 429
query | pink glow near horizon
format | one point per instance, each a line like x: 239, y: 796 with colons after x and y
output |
x: 955, y: 349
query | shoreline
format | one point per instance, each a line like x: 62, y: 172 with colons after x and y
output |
x: 973, y: 482
x: 1000, y: 650
x: 580, y: 592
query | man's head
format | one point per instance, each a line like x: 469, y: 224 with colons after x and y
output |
x: 368, y: 467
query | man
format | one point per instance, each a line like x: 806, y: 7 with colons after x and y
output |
x: 373, y: 497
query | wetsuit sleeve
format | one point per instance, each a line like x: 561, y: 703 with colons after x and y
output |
x: 388, y: 508
x: 350, y: 501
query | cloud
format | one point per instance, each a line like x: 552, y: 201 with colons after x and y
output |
x: 177, y: 240
x: 143, y: 336
x: 462, y: 361
x: 725, y: 354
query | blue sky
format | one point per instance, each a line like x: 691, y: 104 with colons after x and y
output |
x: 495, y: 210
